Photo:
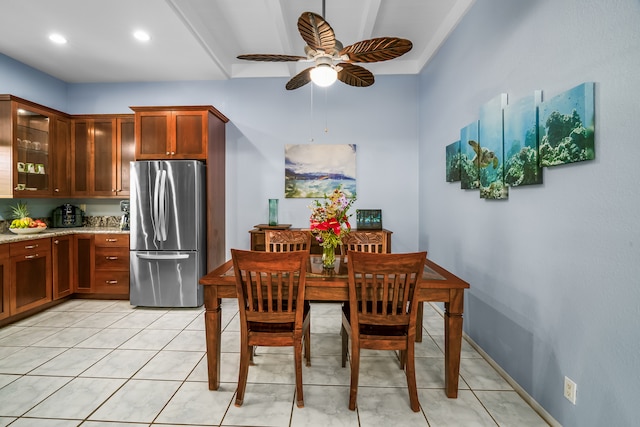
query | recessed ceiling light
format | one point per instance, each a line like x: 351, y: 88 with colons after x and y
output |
x: 143, y: 36
x: 57, y: 38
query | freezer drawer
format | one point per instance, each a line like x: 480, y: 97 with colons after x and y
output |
x: 165, y: 279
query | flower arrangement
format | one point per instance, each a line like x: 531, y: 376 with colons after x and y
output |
x: 330, y: 221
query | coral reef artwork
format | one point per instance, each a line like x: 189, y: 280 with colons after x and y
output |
x: 468, y: 170
x: 567, y: 126
x: 489, y: 157
x: 510, y: 144
x: 453, y: 162
x: 521, y: 165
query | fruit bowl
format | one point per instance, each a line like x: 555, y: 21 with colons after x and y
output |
x: 35, y: 230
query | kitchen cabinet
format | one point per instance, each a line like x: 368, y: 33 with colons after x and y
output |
x: 26, y: 145
x: 61, y: 152
x: 102, y: 147
x: 30, y: 276
x: 174, y: 133
x: 62, y: 266
x: 85, y: 263
x: 4, y: 281
x: 111, y: 264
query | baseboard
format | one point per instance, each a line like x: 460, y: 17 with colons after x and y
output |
x: 525, y: 396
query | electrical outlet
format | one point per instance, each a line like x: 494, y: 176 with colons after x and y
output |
x: 570, y: 390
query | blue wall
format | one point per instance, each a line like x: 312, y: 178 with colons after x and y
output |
x: 555, y: 270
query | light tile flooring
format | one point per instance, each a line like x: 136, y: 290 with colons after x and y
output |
x: 106, y: 364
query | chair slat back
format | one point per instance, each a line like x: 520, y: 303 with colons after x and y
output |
x: 287, y: 240
x: 270, y: 284
x: 365, y: 241
x: 382, y: 287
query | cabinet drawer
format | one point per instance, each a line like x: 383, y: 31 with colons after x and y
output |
x: 112, y: 282
x: 112, y: 240
x: 112, y: 259
x: 30, y: 247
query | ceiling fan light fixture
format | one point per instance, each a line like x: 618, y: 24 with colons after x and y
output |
x: 324, y: 75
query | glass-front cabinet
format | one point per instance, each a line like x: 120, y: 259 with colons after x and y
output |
x: 31, y: 151
x: 27, y: 146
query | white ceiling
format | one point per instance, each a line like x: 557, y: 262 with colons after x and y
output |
x: 200, y: 39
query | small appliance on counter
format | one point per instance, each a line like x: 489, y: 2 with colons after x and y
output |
x: 67, y: 216
x: 124, y: 221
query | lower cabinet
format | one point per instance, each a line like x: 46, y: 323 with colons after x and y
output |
x: 83, y: 248
x: 111, y: 264
x: 62, y: 265
x: 4, y: 281
x: 30, y: 277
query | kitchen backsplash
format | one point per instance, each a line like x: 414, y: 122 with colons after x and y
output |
x: 88, y: 221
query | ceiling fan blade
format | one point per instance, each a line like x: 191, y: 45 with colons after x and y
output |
x: 316, y: 32
x: 300, y: 79
x: 378, y: 49
x: 271, y: 58
x: 355, y: 75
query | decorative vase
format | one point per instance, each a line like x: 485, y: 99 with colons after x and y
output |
x: 273, y: 211
x: 328, y: 257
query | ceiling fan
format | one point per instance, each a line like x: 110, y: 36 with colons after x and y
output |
x: 332, y: 60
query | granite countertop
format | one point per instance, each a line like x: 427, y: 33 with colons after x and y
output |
x: 9, y: 237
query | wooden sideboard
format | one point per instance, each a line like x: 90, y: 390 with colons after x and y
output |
x: 257, y: 237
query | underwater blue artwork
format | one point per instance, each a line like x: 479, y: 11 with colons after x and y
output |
x: 453, y: 162
x: 489, y: 158
x: 311, y: 171
x: 521, y: 166
x: 567, y: 126
x: 468, y: 170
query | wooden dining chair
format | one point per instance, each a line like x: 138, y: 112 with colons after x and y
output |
x: 365, y: 241
x: 270, y: 288
x: 287, y: 240
x: 382, y: 310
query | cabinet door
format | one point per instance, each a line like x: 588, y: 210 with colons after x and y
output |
x: 104, y: 156
x: 189, y: 135
x: 125, y: 153
x: 32, y: 160
x: 4, y: 281
x: 61, y: 153
x: 30, y: 284
x: 152, y: 135
x: 85, y: 267
x: 81, y: 157
x: 62, y: 265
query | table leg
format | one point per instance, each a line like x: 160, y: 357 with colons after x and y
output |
x: 453, y: 341
x: 212, y: 328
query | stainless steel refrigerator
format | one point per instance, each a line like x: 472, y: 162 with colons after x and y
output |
x: 168, y: 232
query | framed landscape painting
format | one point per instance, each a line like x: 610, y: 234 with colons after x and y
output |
x: 567, y: 127
x: 311, y: 171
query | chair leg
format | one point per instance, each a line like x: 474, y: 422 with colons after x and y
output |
x: 419, y: 321
x: 411, y: 378
x: 297, y: 356
x: 345, y: 345
x: 307, y: 345
x: 355, y: 370
x: 245, y: 352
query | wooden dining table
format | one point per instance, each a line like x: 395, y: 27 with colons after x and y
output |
x: 439, y: 285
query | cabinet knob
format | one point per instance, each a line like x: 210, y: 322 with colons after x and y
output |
x: 113, y: 190
x: 111, y: 258
x: 31, y: 256
x: 111, y: 282
x: 57, y: 190
x: 56, y: 241
x: 173, y: 152
x: 167, y: 153
x: 31, y: 246
x: 111, y: 240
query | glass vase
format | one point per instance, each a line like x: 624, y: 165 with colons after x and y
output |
x: 328, y: 257
x: 273, y: 211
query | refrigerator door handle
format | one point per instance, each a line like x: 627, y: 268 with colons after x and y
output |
x: 152, y: 257
x: 155, y: 214
x: 163, y: 206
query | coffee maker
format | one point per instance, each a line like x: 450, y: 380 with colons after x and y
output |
x: 124, y: 221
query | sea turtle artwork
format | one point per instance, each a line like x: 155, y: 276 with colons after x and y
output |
x: 483, y: 156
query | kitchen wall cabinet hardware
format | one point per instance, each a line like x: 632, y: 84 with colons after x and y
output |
x: 62, y: 266
x: 30, y: 281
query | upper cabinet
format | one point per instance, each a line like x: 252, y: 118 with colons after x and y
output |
x: 102, y: 146
x: 175, y: 133
x: 29, y: 135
